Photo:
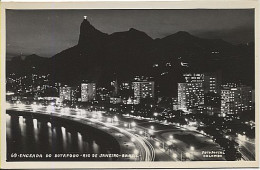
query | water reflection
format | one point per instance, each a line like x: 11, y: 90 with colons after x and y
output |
x: 31, y: 134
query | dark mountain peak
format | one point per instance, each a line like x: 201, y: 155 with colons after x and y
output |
x: 186, y: 37
x: 32, y: 56
x: 22, y: 65
x: 137, y: 32
x: 131, y: 34
x: 133, y: 30
x: 183, y: 33
x: 27, y: 57
x: 180, y: 35
x: 89, y: 34
x: 85, y: 21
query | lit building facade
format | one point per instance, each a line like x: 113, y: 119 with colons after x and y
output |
x: 235, y: 100
x: 74, y: 94
x: 126, y: 92
x: 126, y: 85
x: 115, y: 92
x: 68, y: 93
x: 88, y: 91
x: 65, y: 93
x: 194, y: 78
x: 102, y: 94
x: 142, y: 89
x: 211, y: 81
x: 175, y: 103
x: 115, y: 100
x: 190, y: 95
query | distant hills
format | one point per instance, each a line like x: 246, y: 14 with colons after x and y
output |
x: 97, y: 56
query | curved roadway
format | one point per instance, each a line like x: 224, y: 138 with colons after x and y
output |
x: 144, y: 149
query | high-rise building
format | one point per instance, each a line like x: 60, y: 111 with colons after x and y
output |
x: 74, y: 94
x: 125, y: 85
x: 115, y: 91
x: 65, y: 93
x: 126, y: 92
x: 68, y: 93
x: 115, y: 85
x: 194, y: 78
x: 102, y: 94
x: 190, y: 95
x: 235, y: 100
x: 211, y: 81
x: 230, y: 85
x: 142, y: 89
x: 115, y: 100
x: 88, y: 91
x: 175, y: 103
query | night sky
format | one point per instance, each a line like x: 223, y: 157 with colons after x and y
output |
x: 47, y: 32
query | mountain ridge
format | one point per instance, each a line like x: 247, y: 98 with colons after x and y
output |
x: 98, y: 55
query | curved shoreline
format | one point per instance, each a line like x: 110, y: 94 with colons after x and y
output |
x: 73, y: 121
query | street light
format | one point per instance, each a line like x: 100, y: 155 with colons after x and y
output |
x: 150, y: 131
x: 99, y: 115
x: 21, y: 106
x: 157, y: 144
x: 168, y: 143
x: 192, y: 148
x: 109, y: 120
x: 95, y: 116
x: 66, y: 110
x: 152, y: 127
x: 187, y: 154
x: 34, y: 107
x: 115, y: 119
x: 82, y: 112
x: 155, y: 114
x: 50, y: 109
x: 174, y: 155
x: 133, y: 124
x: 136, y: 151
x: 171, y: 137
x: 125, y: 124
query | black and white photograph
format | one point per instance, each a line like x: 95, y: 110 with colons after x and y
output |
x: 130, y: 85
